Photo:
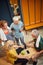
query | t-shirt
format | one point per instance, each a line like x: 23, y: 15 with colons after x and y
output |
x: 2, y: 35
x: 17, y: 29
x: 7, y: 31
x: 40, y: 47
x: 11, y: 55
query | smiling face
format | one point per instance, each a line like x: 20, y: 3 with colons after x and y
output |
x: 5, y: 25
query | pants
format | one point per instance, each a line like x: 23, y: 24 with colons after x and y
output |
x: 22, y: 61
x: 35, y: 63
x: 22, y: 41
x: 9, y: 37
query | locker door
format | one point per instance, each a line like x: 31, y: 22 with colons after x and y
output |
x: 38, y: 11
x: 32, y: 11
x: 41, y: 10
x: 25, y: 13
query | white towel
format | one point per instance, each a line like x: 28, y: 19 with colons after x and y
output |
x: 37, y: 42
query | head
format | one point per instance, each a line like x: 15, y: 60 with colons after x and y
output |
x: 4, y: 24
x: 15, y: 20
x: 9, y: 44
x: 15, y: 5
x: 35, y: 33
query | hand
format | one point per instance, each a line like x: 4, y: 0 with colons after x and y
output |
x: 20, y: 30
x: 34, y: 57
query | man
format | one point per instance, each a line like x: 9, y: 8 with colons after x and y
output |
x: 38, y: 45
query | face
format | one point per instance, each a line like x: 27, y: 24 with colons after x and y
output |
x: 16, y: 22
x: 34, y: 36
x: 5, y: 25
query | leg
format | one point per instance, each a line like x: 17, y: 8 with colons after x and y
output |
x: 17, y: 40
x: 35, y: 63
x: 9, y: 37
x: 22, y: 41
x: 22, y: 61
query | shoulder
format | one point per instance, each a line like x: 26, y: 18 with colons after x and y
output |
x: 1, y: 30
x: 41, y: 39
x: 21, y: 22
x: 12, y: 24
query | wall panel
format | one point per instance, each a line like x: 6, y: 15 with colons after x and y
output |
x: 38, y: 11
x: 31, y: 9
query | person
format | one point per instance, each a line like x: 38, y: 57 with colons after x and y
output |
x: 18, y: 27
x: 13, y: 53
x: 2, y: 40
x: 6, y: 30
x: 37, y: 43
x: 2, y: 35
x: 16, y: 10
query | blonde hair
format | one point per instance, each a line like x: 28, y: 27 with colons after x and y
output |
x: 8, y: 43
x: 15, y: 18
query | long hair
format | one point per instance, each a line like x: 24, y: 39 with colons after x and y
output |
x: 2, y: 22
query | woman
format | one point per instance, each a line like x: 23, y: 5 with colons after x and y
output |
x: 7, y: 30
x: 2, y: 41
x: 2, y: 35
x: 13, y: 52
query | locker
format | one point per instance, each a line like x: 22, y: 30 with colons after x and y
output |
x: 32, y: 12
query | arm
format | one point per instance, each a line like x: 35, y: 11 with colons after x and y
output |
x: 16, y: 46
x: 22, y: 26
x: 38, y: 54
x: 11, y: 26
x: 21, y: 29
x: 2, y: 35
x: 30, y: 44
x: 31, y: 41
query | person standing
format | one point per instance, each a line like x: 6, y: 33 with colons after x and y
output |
x: 18, y: 27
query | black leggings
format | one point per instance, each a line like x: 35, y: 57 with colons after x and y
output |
x: 22, y: 41
x: 35, y: 63
x: 22, y: 61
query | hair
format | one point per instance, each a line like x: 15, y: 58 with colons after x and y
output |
x: 35, y: 32
x: 2, y: 22
x: 15, y: 18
